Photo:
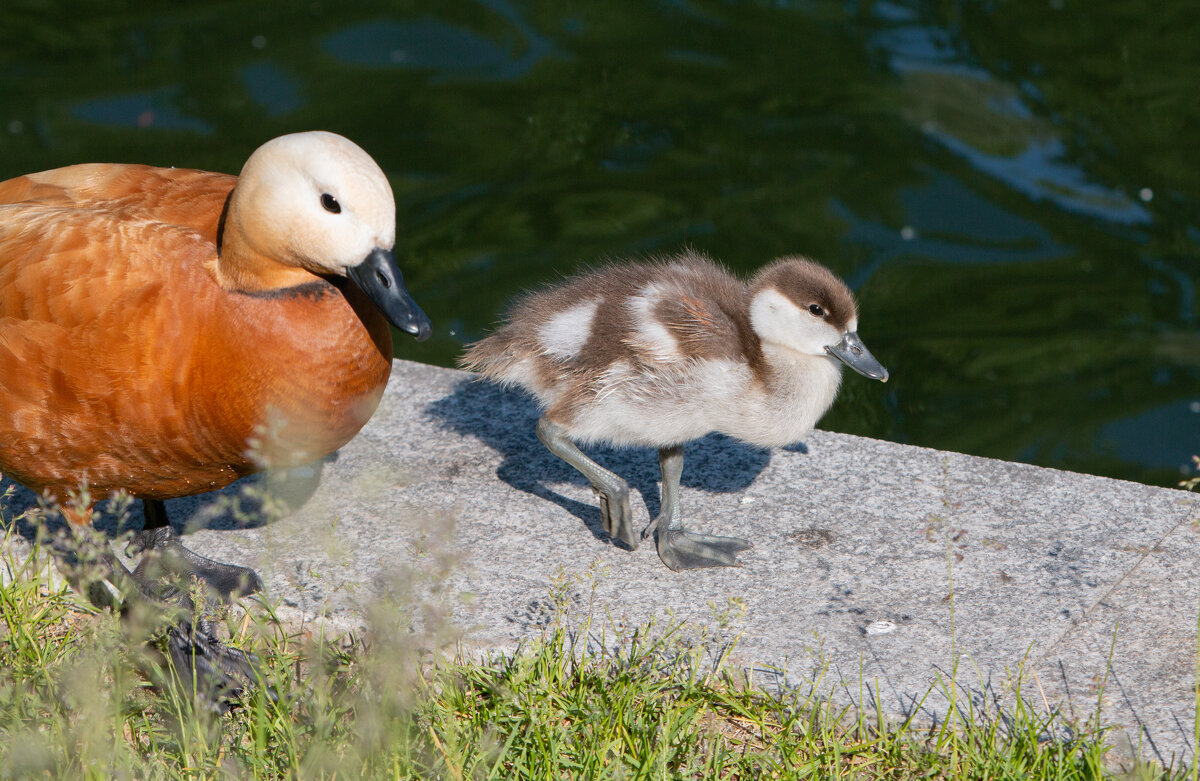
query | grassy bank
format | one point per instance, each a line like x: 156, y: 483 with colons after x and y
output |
x: 76, y: 702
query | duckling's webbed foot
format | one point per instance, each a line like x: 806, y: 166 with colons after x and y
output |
x: 164, y: 559
x: 677, y: 547
x: 615, y: 514
x: 681, y: 549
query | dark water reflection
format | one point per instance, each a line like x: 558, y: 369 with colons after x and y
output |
x: 1011, y: 187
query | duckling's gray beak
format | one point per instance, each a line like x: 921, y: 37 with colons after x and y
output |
x: 852, y: 352
x: 379, y: 277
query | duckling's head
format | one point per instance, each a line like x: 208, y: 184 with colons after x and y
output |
x: 801, y: 306
x: 318, y: 202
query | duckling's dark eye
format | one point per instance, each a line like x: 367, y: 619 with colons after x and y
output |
x: 330, y: 203
x: 816, y: 310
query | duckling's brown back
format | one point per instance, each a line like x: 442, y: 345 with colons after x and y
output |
x: 562, y: 343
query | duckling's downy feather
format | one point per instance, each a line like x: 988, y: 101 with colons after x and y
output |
x: 664, y: 352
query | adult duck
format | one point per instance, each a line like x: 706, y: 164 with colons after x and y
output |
x: 166, y: 331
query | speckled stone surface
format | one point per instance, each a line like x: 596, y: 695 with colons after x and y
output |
x: 859, y: 547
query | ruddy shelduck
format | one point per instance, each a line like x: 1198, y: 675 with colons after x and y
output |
x: 166, y: 331
x: 658, y: 354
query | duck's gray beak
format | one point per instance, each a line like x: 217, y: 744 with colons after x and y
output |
x: 852, y: 352
x: 379, y: 277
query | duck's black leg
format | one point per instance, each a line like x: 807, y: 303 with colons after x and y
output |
x: 150, y: 599
x: 165, y: 575
x: 677, y: 547
x: 165, y: 556
x: 615, y: 514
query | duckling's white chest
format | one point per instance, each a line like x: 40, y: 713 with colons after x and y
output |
x: 657, y: 406
x: 800, y: 392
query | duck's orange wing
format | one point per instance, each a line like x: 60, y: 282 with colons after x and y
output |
x: 174, y: 196
x: 94, y: 356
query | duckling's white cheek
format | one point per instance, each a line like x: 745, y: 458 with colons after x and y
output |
x: 777, y: 320
x: 813, y: 335
x: 809, y: 335
x: 565, y: 333
x: 764, y: 314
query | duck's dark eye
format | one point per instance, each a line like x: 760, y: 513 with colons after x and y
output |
x: 816, y: 310
x: 330, y: 203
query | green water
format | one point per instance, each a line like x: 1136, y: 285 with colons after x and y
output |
x: 1012, y: 188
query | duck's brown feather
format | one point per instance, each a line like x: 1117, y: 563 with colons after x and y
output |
x: 123, y: 362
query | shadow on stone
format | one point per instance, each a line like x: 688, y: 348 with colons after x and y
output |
x: 504, y: 420
x: 242, y: 505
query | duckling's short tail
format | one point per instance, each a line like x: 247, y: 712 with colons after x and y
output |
x: 492, y: 358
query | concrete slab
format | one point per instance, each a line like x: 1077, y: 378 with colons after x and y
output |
x: 875, y: 565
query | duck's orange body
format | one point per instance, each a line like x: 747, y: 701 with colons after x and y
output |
x: 127, y: 361
x: 167, y: 331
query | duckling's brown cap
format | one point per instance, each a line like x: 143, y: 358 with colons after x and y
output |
x: 806, y: 282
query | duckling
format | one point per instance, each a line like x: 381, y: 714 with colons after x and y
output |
x: 167, y: 331
x: 661, y: 353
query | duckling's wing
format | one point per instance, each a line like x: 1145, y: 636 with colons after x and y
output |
x: 706, y: 327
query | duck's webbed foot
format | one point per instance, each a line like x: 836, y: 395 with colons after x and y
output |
x: 217, y: 674
x: 165, y: 561
x: 153, y: 604
x: 167, y: 576
x: 681, y: 549
x: 615, y: 514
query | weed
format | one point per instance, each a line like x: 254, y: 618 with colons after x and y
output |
x: 590, y: 698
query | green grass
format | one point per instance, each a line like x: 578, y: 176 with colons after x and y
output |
x: 76, y: 702
x: 82, y: 697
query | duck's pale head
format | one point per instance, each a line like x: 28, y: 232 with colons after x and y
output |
x: 799, y: 305
x: 317, y: 201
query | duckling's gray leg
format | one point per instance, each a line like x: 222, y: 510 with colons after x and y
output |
x: 677, y: 547
x: 670, y: 462
x: 615, y: 514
